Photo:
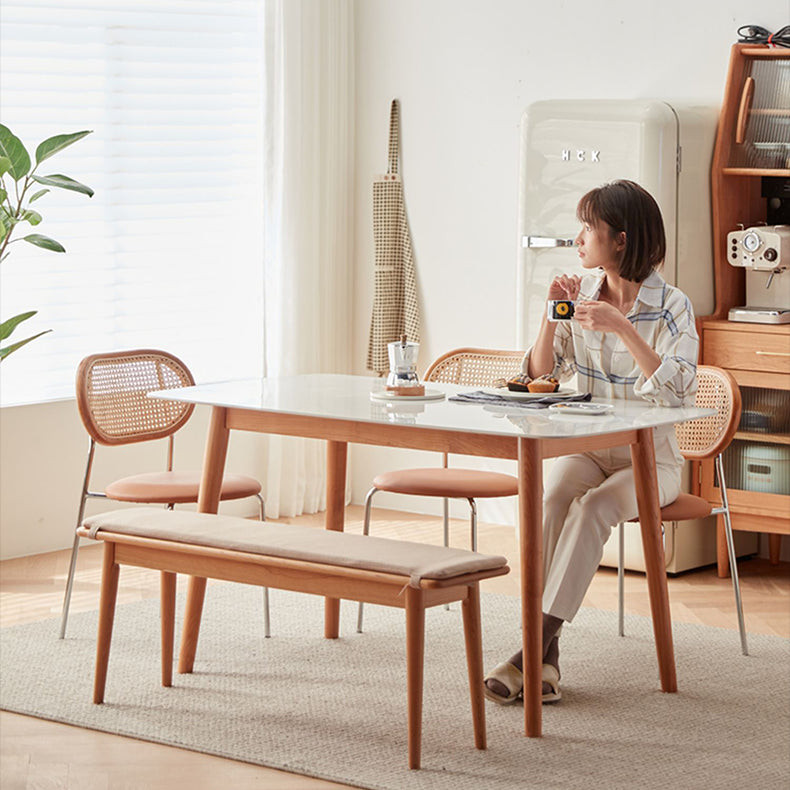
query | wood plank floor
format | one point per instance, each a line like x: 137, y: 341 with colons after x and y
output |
x: 41, y: 754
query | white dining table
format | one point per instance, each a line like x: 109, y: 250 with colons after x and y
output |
x: 343, y: 409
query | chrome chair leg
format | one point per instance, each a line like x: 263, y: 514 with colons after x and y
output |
x: 64, y: 614
x: 365, y: 531
x: 621, y: 579
x: 473, y: 523
x: 724, y: 510
x: 267, y: 629
x: 75, y: 546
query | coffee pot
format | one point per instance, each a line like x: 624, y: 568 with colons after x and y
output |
x: 403, y: 365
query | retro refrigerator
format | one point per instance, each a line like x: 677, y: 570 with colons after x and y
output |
x: 569, y: 147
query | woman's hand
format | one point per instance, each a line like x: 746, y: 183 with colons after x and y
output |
x: 565, y: 287
x: 600, y: 317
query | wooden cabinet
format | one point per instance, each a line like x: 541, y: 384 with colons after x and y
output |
x: 757, y: 462
x: 750, y: 185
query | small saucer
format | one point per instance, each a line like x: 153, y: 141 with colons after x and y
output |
x: 393, y: 397
x: 575, y: 408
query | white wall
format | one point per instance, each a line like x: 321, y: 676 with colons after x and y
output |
x: 464, y: 72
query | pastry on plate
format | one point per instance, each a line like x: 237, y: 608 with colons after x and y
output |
x: 543, y: 384
x: 518, y: 383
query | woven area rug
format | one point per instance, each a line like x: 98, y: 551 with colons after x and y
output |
x: 337, y: 709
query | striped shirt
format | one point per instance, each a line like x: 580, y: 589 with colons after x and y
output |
x: 663, y: 317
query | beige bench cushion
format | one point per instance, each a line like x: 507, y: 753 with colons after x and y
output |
x: 404, y: 558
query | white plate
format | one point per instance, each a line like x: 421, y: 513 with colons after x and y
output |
x: 392, y: 396
x: 562, y: 392
x: 581, y: 408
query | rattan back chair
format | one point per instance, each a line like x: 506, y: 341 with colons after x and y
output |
x: 700, y: 440
x: 112, y: 397
x: 474, y: 367
x: 471, y: 367
x: 112, y: 400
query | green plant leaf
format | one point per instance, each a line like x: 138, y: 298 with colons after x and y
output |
x: 33, y: 217
x: 5, y: 165
x: 44, y: 241
x: 12, y: 149
x: 63, y: 182
x: 52, y: 145
x: 4, y: 352
x: 37, y: 195
x: 8, y: 326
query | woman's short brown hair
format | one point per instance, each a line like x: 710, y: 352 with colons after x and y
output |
x: 626, y: 207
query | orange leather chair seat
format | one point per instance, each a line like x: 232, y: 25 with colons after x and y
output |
x: 176, y: 487
x: 685, y: 507
x: 450, y: 483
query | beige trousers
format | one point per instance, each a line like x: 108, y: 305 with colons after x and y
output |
x: 585, y: 495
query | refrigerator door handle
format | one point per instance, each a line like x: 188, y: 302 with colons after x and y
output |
x: 546, y: 241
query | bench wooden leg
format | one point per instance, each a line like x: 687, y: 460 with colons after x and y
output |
x: 168, y: 616
x: 109, y: 593
x: 191, y: 627
x: 473, y: 636
x: 415, y: 651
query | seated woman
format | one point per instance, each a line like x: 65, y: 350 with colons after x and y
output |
x: 633, y: 337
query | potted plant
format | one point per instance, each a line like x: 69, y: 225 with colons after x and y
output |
x: 18, y: 179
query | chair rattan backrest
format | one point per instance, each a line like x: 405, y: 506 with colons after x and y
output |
x: 111, y: 395
x: 707, y: 437
x: 475, y: 367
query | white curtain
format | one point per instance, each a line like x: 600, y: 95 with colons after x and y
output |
x: 309, y: 160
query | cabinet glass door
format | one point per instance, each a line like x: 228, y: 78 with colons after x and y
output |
x: 762, y: 132
x: 758, y: 459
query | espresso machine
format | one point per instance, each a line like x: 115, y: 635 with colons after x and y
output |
x: 764, y: 251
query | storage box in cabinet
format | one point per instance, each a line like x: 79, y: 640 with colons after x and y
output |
x: 765, y: 468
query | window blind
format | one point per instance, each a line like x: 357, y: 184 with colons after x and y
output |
x: 168, y: 253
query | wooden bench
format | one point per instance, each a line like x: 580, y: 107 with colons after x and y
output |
x: 411, y: 576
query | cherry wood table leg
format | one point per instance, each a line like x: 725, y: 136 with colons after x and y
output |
x: 722, y: 556
x: 530, y: 516
x: 109, y: 594
x: 774, y: 547
x: 336, y: 455
x: 415, y: 662
x: 167, y: 607
x: 208, y: 502
x: 644, y: 460
x: 473, y: 637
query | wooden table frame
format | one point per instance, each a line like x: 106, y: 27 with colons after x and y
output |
x: 529, y: 452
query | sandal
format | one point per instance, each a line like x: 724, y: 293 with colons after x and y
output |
x: 551, y: 675
x: 510, y: 677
